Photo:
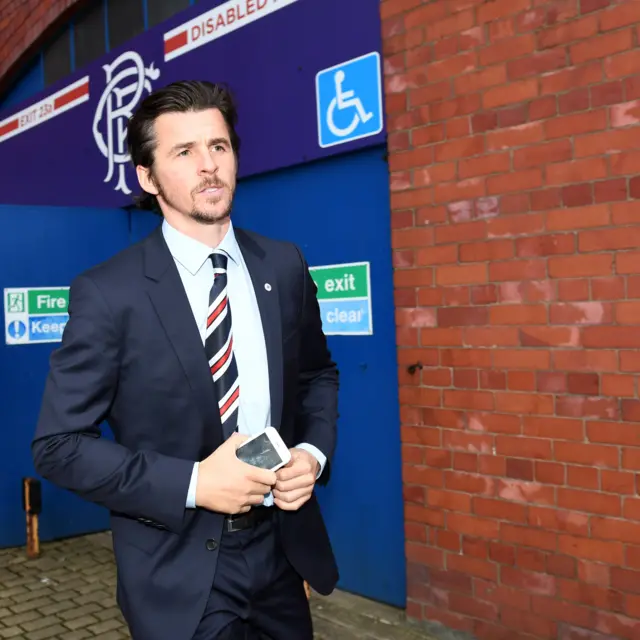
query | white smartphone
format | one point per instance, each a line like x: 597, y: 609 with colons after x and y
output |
x: 266, y: 450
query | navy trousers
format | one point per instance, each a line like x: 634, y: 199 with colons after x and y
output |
x: 256, y: 593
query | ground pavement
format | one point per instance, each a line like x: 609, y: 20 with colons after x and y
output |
x: 68, y: 594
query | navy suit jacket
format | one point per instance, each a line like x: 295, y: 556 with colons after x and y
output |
x: 131, y: 354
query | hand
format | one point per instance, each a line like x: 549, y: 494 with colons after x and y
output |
x: 296, y: 480
x: 229, y: 485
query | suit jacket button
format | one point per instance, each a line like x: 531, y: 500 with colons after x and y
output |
x: 212, y: 545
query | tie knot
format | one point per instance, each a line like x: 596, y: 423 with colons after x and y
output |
x: 219, y: 261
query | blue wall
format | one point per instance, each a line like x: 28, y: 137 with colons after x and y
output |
x: 337, y: 210
x: 41, y: 247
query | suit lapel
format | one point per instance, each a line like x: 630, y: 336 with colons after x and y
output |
x: 265, y: 286
x: 172, y: 306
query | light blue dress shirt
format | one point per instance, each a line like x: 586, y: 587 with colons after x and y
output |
x: 196, y: 272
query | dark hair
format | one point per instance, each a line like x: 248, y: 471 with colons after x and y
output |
x: 178, y: 97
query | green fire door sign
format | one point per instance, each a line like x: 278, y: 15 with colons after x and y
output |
x: 35, y: 315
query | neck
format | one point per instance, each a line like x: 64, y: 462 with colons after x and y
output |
x: 210, y: 235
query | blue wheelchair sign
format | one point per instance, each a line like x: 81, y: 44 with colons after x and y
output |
x: 349, y: 100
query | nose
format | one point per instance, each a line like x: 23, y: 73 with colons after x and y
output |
x: 207, y: 163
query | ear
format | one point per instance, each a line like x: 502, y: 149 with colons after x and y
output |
x: 146, y: 180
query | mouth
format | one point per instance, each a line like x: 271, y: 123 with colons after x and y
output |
x: 209, y: 191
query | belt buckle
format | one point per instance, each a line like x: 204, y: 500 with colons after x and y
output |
x: 235, y: 522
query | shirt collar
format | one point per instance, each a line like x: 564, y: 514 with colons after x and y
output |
x: 192, y: 254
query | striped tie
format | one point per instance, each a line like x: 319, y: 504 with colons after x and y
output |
x: 219, y: 347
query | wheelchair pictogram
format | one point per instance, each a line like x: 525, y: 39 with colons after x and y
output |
x: 349, y: 100
x: 345, y: 100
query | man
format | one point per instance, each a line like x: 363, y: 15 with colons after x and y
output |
x: 186, y: 344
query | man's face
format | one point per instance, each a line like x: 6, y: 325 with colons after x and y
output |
x: 194, y: 172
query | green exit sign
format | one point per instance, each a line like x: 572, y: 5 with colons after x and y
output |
x: 344, y: 298
x: 343, y: 281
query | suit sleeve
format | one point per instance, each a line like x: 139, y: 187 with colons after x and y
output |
x: 317, y: 415
x: 68, y: 449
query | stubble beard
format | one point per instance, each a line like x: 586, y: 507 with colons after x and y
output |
x: 198, y: 215
x: 211, y: 217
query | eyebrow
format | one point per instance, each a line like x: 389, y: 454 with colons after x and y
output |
x: 181, y: 146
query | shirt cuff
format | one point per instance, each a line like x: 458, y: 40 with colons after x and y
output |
x: 317, y: 454
x: 191, y: 495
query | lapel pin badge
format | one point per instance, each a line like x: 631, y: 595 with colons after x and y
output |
x: 267, y: 286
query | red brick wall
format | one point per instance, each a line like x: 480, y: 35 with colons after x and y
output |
x: 23, y: 24
x: 515, y: 167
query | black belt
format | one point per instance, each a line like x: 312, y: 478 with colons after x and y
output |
x: 242, y: 521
